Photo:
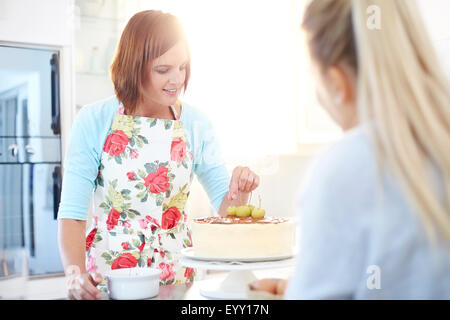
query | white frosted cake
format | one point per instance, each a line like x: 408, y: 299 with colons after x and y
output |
x: 234, y: 237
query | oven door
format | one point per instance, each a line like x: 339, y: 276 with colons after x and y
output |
x: 29, y: 199
x: 12, y: 234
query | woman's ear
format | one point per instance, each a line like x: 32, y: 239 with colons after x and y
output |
x: 340, y: 85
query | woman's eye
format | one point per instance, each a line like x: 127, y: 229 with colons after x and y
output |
x: 161, y: 71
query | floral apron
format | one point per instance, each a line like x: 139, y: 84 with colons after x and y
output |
x: 141, y: 190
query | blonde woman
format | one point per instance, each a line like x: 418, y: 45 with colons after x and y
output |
x: 136, y: 153
x: 375, y: 213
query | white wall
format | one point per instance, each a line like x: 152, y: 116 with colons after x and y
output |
x: 436, y: 17
x: 47, y: 22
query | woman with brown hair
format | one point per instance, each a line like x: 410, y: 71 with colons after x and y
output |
x: 375, y: 212
x: 137, y: 152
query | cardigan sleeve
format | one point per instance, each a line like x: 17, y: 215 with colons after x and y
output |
x: 80, y: 167
x: 209, y: 165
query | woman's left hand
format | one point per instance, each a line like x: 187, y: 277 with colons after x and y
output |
x: 242, y: 180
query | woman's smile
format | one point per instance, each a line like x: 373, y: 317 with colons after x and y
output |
x: 170, y: 92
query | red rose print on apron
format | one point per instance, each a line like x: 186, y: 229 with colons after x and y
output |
x: 141, y: 191
x: 116, y: 143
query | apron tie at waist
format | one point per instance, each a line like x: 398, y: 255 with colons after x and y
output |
x: 152, y: 243
x: 153, y: 238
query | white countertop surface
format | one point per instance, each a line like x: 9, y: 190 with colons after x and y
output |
x: 54, y: 288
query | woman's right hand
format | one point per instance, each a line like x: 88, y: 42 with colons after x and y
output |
x: 82, y: 286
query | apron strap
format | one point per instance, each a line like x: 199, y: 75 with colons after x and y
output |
x: 175, y: 114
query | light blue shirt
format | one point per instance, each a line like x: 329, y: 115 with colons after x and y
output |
x: 87, y: 138
x: 359, y: 237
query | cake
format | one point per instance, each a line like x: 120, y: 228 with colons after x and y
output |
x: 242, y: 237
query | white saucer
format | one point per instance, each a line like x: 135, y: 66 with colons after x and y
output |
x: 189, y: 253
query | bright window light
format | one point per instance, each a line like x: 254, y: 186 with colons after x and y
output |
x: 250, y: 74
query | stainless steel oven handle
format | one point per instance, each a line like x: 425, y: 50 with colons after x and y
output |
x: 15, y: 150
x: 57, y: 186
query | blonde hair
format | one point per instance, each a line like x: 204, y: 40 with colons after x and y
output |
x: 401, y: 88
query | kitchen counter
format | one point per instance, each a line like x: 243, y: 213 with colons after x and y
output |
x: 54, y: 288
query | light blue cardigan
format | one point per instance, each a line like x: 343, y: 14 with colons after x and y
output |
x: 359, y: 236
x: 88, y: 135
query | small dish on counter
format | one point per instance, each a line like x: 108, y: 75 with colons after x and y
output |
x: 134, y: 284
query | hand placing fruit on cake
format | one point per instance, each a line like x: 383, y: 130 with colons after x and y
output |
x: 246, y: 211
x: 246, y: 232
x: 243, y: 181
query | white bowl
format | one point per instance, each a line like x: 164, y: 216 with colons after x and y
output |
x: 139, y: 283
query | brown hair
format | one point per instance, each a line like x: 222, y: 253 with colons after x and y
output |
x: 147, y: 35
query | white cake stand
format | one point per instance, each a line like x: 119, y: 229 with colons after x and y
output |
x: 234, y: 286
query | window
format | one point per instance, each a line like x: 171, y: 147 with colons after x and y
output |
x: 249, y: 74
